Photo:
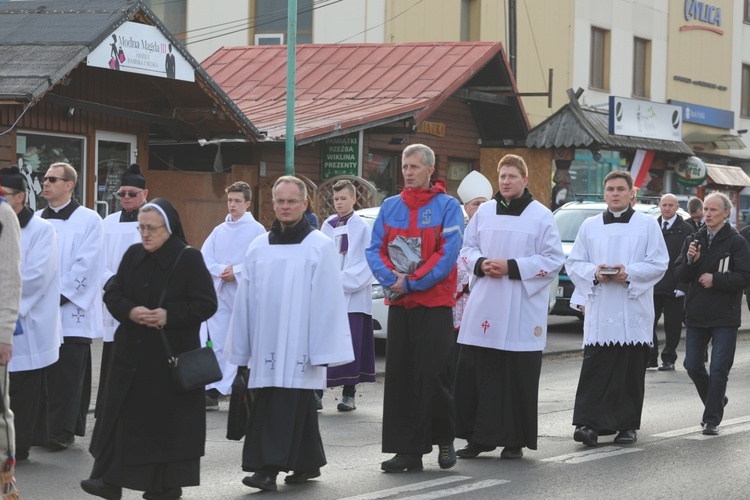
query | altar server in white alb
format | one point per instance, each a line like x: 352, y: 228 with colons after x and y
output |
x: 79, y: 242
x: 224, y: 252
x: 36, y: 343
x: 513, y: 249
x: 119, y: 234
x: 351, y: 236
x: 616, y: 260
x: 289, y: 322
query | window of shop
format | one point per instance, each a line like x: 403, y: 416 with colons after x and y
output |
x: 38, y: 151
x: 271, y: 18
x: 599, y: 77
x: 587, y: 174
x: 745, y: 105
x: 641, y: 67
x: 746, y: 18
x: 380, y: 169
x: 173, y: 14
x: 457, y: 170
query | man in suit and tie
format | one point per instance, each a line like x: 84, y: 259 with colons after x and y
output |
x: 669, y: 295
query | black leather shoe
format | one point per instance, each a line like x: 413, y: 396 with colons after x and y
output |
x: 402, y: 462
x: 512, y: 452
x: 626, y: 437
x: 172, y: 494
x: 300, y: 477
x: 711, y: 430
x: 472, y: 450
x: 99, y: 488
x: 260, y: 481
x: 666, y: 367
x: 586, y: 435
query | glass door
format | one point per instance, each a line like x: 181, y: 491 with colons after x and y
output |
x: 114, y: 153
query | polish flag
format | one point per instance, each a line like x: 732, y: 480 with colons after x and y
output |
x: 641, y: 163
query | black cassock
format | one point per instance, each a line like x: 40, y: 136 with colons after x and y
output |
x: 496, y: 394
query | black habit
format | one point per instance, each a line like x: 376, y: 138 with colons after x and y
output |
x: 149, y: 437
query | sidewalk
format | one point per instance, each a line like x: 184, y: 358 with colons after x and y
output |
x: 559, y: 343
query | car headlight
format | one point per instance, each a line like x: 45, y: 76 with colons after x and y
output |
x: 377, y: 291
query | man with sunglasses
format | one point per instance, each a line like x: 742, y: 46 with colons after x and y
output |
x: 120, y: 231
x: 79, y: 241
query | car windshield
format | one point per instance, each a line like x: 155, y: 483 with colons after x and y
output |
x: 569, y: 220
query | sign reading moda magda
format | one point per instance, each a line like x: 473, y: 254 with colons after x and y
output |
x: 340, y: 156
x: 651, y: 120
x: 139, y: 48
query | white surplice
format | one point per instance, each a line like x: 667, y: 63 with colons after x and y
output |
x: 290, y: 319
x: 39, y: 344
x: 79, y: 242
x: 118, y: 237
x: 504, y: 313
x: 617, y: 313
x: 355, y: 272
x: 226, y: 246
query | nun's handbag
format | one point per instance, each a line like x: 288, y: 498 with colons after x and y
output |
x: 191, y: 369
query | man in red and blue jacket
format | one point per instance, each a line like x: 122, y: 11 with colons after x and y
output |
x: 417, y: 406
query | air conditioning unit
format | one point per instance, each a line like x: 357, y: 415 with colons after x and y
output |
x: 269, y: 39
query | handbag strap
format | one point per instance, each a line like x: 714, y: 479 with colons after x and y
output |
x: 171, y: 358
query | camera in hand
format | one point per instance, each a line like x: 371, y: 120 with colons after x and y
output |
x: 609, y: 271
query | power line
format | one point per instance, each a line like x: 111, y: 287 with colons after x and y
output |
x: 384, y: 22
x: 247, y: 24
x: 536, y: 48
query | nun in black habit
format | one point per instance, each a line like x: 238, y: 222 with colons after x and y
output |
x: 149, y: 437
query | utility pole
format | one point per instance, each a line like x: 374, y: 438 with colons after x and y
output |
x: 291, y: 79
x: 512, y: 49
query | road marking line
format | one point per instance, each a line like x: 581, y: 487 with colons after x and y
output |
x: 408, y: 487
x: 696, y: 428
x: 724, y: 432
x: 589, y: 455
x: 458, y: 490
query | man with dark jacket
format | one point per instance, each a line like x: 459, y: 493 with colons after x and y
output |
x: 669, y: 295
x: 716, y: 262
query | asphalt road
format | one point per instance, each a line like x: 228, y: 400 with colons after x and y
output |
x: 671, y: 459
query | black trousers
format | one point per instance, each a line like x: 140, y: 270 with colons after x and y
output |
x: 673, y: 309
x: 418, y: 405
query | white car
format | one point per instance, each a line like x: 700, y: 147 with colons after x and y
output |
x: 380, y: 310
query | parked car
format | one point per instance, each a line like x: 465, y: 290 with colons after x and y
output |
x: 380, y: 310
x: 569, y: 218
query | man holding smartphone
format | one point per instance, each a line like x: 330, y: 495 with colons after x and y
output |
x: 616, y: 260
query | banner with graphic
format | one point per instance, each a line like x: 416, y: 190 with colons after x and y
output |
x: 139, y: 48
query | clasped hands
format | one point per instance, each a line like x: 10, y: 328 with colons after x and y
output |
x: 495, y: 268
x: 153, y: 318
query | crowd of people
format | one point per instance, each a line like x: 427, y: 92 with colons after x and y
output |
x: 467, y: 320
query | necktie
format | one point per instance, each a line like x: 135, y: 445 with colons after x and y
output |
x: 666, y: 224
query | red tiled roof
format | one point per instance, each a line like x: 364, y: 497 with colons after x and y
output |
x: 343, y: 86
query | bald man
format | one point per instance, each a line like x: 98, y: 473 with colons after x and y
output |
x: 669, y: 295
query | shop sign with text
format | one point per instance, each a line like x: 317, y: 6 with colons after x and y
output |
x: 139, y: 48
x: 340, y: 156
x: 650, y: 120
